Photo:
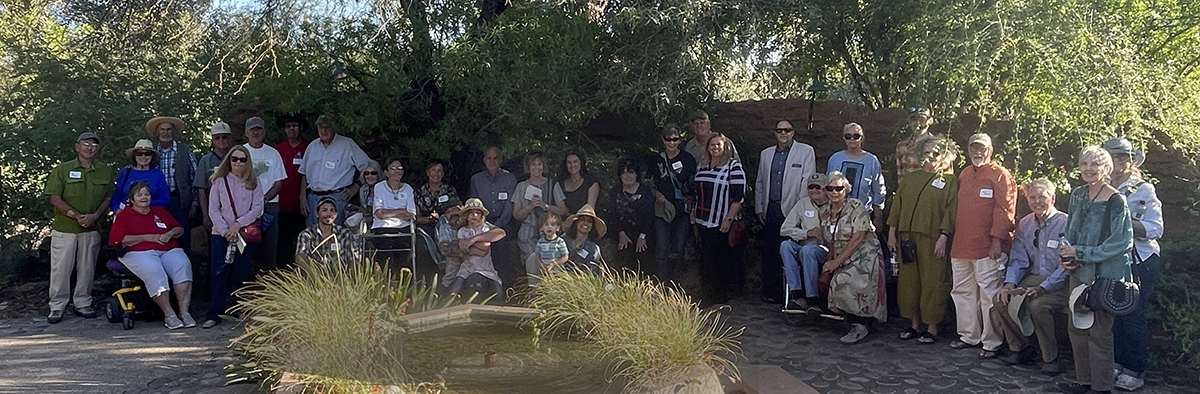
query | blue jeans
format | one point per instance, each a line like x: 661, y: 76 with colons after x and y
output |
x: 1131, y: 337
x: 226, y: 278
x: 771, y: 263
x: 670, y: 242
x: 181, y: 215
x: 338, y: 201
x: 807, y: 257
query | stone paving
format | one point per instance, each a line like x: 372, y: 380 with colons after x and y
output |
x: 808, y: 348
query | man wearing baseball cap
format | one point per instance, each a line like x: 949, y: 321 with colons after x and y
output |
x: 919, y: 120
x: 291, y: 149
x: 701, y: 130
x: 268, y: 166
x: 328, y: 170
x: 80, y: 191
x: 222, y: 140
x: 801, y: 249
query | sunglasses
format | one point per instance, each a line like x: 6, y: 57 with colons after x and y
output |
x: 836, y: 189
x: 854, y: 137
x: 235, y: 159
x: 396, y: 168
x: 143, y: 154
x: 784, y: 131
x: 671, y: 139
x: 370, y: 173
x: 814, y: 187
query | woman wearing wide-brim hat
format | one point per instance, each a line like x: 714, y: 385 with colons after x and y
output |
x: 582, y: 229
x: 143, y: 166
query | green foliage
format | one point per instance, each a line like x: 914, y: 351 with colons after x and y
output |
x: 1177, y: 304
x: 651, y: 330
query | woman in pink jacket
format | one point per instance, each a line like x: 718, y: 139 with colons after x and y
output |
x: 235, y: 201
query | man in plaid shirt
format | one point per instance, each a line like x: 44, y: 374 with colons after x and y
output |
x: 180, y: 173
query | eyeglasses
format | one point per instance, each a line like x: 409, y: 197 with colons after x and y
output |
x: 784, y: 130
x: 849, y: 137
x: 814, y: 187
x: 235, y: 159
x: 835, y: 189
x: 396, y: 168
x: 365, y: 173
x: 671, y: 139
x: 89, y: 144
x: 932, y: 154
x: 143, y: 153
x: 220, y: 137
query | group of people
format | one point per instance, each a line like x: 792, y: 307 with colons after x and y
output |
x: 953, y: 237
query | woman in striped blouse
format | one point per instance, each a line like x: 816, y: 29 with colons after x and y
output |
x: 718, y: 191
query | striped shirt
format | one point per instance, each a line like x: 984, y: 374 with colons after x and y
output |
x: 716, y: 189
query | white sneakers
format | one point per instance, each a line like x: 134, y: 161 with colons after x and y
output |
x: 857, y: 333
x: 1129, y: 383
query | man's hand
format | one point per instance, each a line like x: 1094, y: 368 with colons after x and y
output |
x: 831, y: 265
x: 939, y: 248
x: 762, y: 218
x: 641, y: 245
x: 303, y: 205
x: 349, y: 191
x: 1034, y: 292
x: 995, y: 252
x: 1004, y: 294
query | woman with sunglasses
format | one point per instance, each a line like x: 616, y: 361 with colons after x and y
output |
x: 143, y: 167
x: 921, y: 223
x: 854, y: 259
x: 369, y: 177
x: 673, y: 180
x: 863, y: 170
x: 235, y: 201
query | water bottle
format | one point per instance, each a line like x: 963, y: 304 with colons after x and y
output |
x: 230, y: 253
x: 1067, y: 261
x: 895, y: 266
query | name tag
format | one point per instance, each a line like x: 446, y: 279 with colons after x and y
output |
x: 1052, y: 244
x: 677, y: 165
x: 546, y: 247
x: 832, y: 228
x: 985, y: 193
x: 297, y: 161
x: 158, y: 222
x: 583, y: 253
x: 809, y: 214
x: 796, y: 165
x: 443, y: 198
x: 333, y: 246
x: 330, y: 165
x: 502, y: 196
x: 938, y: 184
x: 75, y: 174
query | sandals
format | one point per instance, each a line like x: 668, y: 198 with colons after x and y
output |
x: 959, y: 345
x: 989, y: 354
x: 909, y: 333
x: 927, y: 338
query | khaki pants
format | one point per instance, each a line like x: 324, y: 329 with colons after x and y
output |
x: 975, y: 283
x: 923, y: 286
x: 72, y: 252
x: 1093, y: 350
x: 1042, y: 311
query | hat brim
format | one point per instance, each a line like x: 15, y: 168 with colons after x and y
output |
x: 482, y: 210
x: 1020, y: 315
x: 283, y: 121
x: 152, y: 125
x: 597, y: 223
x: 129, y: 152
x: 1081, y: 318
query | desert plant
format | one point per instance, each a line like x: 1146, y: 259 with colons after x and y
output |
x: 652, y: 331
x: 331, y: 323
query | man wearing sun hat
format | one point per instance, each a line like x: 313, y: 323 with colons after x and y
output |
x: 1034, y: 273
x: 80, y: 191
x: 178, y: 165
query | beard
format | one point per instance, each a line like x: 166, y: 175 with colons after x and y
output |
x: 978, y: 161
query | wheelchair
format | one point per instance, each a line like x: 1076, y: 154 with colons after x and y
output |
x: 130, y: 300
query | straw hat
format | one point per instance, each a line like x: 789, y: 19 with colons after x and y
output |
x: 152, y: 125
x: 142, y: 144
x: 1081, y: 316
x: 1020, y: 314
x: 587, y: 210
x: 474, y: 204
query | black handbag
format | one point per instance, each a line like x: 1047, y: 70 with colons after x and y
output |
x: 1116, y: 296
x: 908, y: 247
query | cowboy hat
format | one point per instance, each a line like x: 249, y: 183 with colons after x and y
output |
x: 283, y: 120
x: 587, y: 210
x: 1020, y: 314
x: 152, y: 124
x: 142, y: 144
x: 1081, y: 316
x: 474, y: 204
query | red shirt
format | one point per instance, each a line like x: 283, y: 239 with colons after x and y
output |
x: 130, y: 222
x: 289, y: 190
x: 987, y: 202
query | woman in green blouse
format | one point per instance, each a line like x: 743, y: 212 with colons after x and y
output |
x: 1099, y: 237
x: 923, y: 210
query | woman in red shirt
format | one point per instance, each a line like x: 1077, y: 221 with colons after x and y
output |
x: 154, y: 255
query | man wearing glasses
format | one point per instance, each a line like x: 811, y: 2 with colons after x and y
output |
x: 782, y: 171
x: 222, y: 139
x: 80, y: 191
x: 328, y: 170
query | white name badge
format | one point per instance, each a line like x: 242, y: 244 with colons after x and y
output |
x: 809, y: 214
x: 297, y: 161
x: 443, y: 198
x: 985, y: 193
x: 832, y: 229
x: 330, y: 165
x: 546, y: 247
x: 938, y: 184
x: 75, y: 174
x: 333, y: 246
x: 160, y: 224
x: 677, y: 165
x: 502, y: 196
x: 583, y: 253
x: 1052, y: 244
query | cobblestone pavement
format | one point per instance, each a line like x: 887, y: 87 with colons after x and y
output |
x: 95, y: 356
x: 808, y: 348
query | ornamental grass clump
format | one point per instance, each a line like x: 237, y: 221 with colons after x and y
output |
x: 335, y: 325
x: 651, y: 331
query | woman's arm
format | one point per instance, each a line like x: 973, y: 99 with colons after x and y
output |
x: 215, y: 195
x: 1120, y: 237
x: 593, y: 194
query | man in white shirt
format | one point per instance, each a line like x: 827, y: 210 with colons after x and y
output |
x: 268, y: 167
x: 782, y: 171
x: 328, y: 170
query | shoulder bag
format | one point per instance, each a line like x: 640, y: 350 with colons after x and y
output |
x: 1116, y: 296
x: 908, y: 247
x: 251, y: 233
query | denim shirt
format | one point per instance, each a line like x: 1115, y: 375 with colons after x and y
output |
x: 1035, y: 251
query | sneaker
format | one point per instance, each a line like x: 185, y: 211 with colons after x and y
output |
x: 1129, y: 382
x: 173, y: 323
x: 797, y: 304
x: 857, y: 333
x: 55, y: 317
x: 209, y: 324
x: 188, y: 321
x: 1052, y: 368
x: 86, y: 312
x: 1074, y: 388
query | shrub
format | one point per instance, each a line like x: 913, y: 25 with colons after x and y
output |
x: 652, y: 331
x: 1176, y: 304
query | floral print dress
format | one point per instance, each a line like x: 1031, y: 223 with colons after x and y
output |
x: 858, y: 287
